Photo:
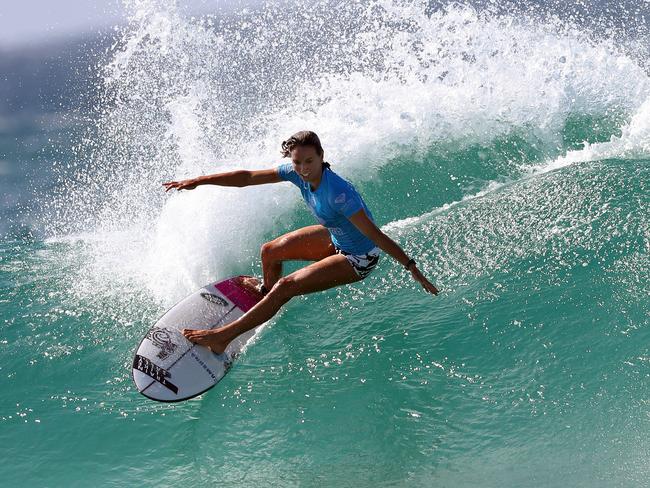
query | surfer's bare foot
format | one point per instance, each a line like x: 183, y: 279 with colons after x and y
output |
x: 251, y: 283
x: 208, y: 338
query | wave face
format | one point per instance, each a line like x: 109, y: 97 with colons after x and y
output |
x: 505, y: 149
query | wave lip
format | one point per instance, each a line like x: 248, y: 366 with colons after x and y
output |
x: 632, y: 144
x: 183, y: 97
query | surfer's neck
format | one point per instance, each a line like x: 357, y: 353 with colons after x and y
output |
x: 313, y: 185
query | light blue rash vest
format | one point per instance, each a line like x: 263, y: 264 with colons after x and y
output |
x: 333, y: 202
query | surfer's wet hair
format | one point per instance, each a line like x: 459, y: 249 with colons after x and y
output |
x: 303, y: 138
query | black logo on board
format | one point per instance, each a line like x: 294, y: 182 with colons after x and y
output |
x: 155, y: 372
x: 214, y: 299
x: 161, y: 339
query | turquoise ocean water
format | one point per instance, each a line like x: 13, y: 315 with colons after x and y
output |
x: 507, y: 150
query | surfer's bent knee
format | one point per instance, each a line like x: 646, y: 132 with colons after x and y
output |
x: 284, y: 288
x: 266, y: 251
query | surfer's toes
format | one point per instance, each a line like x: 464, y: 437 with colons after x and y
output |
x: 205, y: 338
x: 191, y: 335
x: 251, y: 283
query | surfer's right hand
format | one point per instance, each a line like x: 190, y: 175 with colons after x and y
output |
x: 181, y: 185
x: 426, y: 284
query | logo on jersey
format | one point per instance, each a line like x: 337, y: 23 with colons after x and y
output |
x: 162, y: 340
x: 340, y: 198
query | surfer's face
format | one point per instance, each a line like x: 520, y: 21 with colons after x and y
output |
x: 307, y: 163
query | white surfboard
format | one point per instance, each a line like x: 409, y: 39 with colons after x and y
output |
x: 169, y: 368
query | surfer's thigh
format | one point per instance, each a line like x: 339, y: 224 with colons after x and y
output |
x: 311, y: 243
x: 327, y: 273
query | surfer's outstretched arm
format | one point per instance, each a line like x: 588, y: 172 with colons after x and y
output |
x: 238, y: 178
x: 389, y: 246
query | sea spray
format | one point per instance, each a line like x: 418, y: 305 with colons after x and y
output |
x: 189, y: 96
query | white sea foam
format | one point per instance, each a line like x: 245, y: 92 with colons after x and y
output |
x: 633, y: 143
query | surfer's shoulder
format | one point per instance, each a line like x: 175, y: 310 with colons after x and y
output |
x: 339, y: 184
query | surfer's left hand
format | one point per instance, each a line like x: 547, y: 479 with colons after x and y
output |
x: 426, y: 284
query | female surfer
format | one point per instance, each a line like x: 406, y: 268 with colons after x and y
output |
x: 345, y: 246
